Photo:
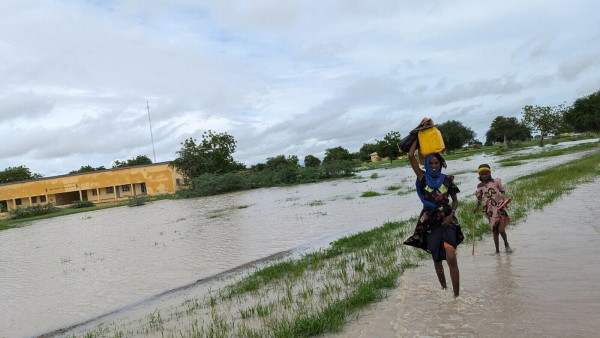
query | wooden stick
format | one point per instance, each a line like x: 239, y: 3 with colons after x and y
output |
x: 474, y: 221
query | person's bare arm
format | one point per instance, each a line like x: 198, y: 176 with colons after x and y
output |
x: 413, y: 161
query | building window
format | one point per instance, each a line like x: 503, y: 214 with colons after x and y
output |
x: 42, y: 199
x: 143, y: 187
x: 33, y: 199
x: 110, y: 190
x: 125, y: 187
x: 17, y: 201
x: 94, y: 192
x: 177, y: 181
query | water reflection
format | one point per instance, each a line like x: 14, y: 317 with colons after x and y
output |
x: 60, y: 271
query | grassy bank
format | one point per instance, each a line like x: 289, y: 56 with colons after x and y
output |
x: 320, y: 291
x: 521, y: 159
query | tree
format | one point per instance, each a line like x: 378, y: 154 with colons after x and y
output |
x: 87, y: 169
x: 15, y: 174
x: 547, y: 120
x: 364, y: 153
x: 280, y: 160
x: 388, y: 147
x: 311, y: 161
x: 336, y: 154
x: 212, y: 155
x: 138, y: 160
x: 584, y: 115
x: 505, y: 129
x: 455, y: 134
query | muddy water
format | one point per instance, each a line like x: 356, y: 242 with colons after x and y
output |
x: 548, y: 287
x: 61, y: 271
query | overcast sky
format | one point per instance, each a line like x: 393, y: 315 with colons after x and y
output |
x: 282, y: 77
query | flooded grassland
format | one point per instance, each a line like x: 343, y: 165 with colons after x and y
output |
x: 69, y: 270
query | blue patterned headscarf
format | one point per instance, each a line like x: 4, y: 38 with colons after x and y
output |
x: 434, y: 179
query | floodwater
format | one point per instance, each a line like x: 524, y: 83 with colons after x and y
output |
x: 548, y: 287
x: 59, y: 272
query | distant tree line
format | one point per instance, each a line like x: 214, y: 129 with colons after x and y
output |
x: 213, y: 155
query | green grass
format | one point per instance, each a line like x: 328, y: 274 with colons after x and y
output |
x: 370, y: 193
x: 318, y: 292
x: 521, y: 159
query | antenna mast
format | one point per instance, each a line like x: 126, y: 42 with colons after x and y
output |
x: 151, y: 136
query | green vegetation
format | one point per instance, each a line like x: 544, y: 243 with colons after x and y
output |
x: 81, y: 204
x: 584, y: 115
x: 318, y: 292
x: 522, y: 159
x: 15, y: 174
x: 546, y: 120
x: 34, y: 210
x: 138, y: 160
x: 455, y: 134
x: 370, y: 193
x: 135, y: 201
x: 280, y: 175
x: 505, y: 129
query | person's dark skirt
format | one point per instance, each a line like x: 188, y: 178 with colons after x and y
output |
x: 431, y: 236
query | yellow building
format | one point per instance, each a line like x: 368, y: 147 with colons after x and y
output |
x: 98, y: 186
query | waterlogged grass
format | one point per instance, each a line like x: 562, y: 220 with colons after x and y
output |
x: 522, y: 159
x: 315, y: 203
x: 318, y: 292
x: 300, y: 297
x: 534, y: 191
x: 370, y: 193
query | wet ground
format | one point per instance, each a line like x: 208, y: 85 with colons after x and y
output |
x: 547, y: 287
x: 63, y: 271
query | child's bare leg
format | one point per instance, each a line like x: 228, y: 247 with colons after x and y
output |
x: 454, y: 273
x: 502, y: 232
x: 496, y: 240
x: 439, y: 271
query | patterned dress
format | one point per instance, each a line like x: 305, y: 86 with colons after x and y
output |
x: 429, y: 233
x: 490, y: 194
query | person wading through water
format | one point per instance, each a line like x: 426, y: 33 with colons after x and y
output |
x: 437, y: 230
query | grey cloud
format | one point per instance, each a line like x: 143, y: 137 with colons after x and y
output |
x: 573, y: 67
x: 484, y: 87
x: 25, y: 105
x: 534, y: 48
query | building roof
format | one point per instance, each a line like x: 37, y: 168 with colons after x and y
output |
x: 85, y: 173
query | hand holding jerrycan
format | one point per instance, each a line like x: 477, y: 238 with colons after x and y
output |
x: 430, y: 139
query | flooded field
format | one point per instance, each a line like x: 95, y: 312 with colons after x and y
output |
x: 62, y: 271
x: 545, y: 288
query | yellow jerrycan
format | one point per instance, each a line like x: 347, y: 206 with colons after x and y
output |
x: 430, y: 141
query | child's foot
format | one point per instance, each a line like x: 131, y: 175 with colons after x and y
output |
x: 508, y: 249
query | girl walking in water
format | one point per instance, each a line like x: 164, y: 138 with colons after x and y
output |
x: 490, y: 193
x: 437, y: 229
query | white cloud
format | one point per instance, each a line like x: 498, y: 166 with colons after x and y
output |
x: 292, y: 78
